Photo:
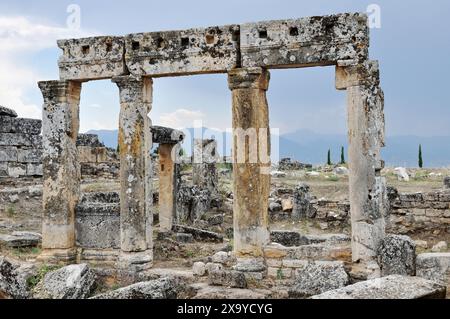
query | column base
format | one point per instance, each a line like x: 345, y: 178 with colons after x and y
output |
x: 131, y: 264
x: 58, y: 256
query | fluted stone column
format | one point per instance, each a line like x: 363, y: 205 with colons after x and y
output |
x: 251, y: 160
x: 365, y: 102
x: 61, y: 173
x: 135, y: 173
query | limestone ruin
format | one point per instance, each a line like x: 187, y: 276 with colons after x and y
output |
x: 246, y: 52
x: 114, y: 230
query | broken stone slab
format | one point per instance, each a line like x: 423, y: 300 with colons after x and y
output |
x: 163, y: 288
x: 397, y: 256
x: 6, y: 112
x: 288, y: 238
x: 13, y: 279
x: 227, y: 278
x: 21, y: 239
x: 391, y: 287
x: 199, y: 234
x: 435, y: 267
x: 70, y: 282
x: 313, y: 278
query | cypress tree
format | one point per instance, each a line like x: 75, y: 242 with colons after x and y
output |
x: 329, y: 158
x: 342, y: 156
x: 420, y: 156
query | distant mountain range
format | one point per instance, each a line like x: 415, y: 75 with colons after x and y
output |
x: 311, y: 147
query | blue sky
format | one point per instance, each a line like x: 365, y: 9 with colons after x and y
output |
x: 412, y: 45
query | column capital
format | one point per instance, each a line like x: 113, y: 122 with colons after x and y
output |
x: 59, y: 91
x: 355, y: 74
x: 249, y: 78
x: 133, y: 88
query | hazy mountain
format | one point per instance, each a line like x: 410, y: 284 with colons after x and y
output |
x: 311, y: 147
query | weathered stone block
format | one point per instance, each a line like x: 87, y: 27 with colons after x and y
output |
x: 5, y: 124
x: 192, y: 51
x: 435, y: 267
x: 8, y: 154
x: 98, y: 225
x: 26, y: 126
x: 70, y: 282
x: 313, y: 278
x: 391, y: 287
x: 19, y: 139
x: 233, y: 279
x: 16, y: 170
x: 288, y: 238
x: 397, y: 256
x: 91, y: 58
x: 3, y: 169
x: 163, y: 288
x: 305, y: 42
x: 31, y: 155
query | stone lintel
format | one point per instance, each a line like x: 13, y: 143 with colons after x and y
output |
x: 310, y: 41
x: 182, y: 52
x: 92, y: 58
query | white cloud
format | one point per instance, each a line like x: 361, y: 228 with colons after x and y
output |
x: 180, y: 119
x: 20, y: 38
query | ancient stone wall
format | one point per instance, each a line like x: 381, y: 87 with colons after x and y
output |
x: 96, y: 159
x: 409, y: 213
x: 21, y: 150
x: 420, y: 212
x: 20, y: 145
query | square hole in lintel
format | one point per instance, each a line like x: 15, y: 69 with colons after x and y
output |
x: 262, y: 34
x: 293, y: 31
x: 184, y: 41
x: 85, y: 49
x: 135, y: 45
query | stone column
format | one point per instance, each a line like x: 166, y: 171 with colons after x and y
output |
x: 368, y: 201
x: 167, y: 186
x: 204, y: 172
x: 61, y: 173
x: 135, y: 143
x: 251, y: 160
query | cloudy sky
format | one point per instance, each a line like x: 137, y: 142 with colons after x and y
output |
x: 413, y: 46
